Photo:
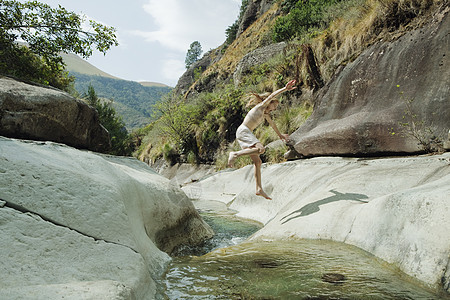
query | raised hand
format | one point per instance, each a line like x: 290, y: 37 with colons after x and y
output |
x: 290, y: 85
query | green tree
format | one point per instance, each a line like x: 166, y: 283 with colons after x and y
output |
x: 47, y: 31
x: 120, y: 139
x: 176, y: 119
x: 232, y: 30
x: 193, y: 53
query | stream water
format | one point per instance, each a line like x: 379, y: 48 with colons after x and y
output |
x: 228, y: 267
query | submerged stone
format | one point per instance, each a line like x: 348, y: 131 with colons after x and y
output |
x: 333, y: 278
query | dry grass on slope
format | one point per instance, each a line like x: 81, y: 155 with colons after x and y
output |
x: 365, y: 23
x: 355, y: 25
x: 258, y: 34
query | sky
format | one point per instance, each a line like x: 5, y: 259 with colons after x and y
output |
x: 154, y: 35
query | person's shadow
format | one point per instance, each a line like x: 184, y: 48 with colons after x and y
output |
x: 313, y: 207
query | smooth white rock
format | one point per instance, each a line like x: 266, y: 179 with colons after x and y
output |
x: 71, y: 217
x: 38, y: 253
x: 396, y: 208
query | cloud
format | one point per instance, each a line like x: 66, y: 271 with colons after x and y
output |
x: 177, y: 23
x: 172, y: 68
x: 180, y: 22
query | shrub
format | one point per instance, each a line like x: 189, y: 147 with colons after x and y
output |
x: 18, y: 61
x: 303, y: 17
x: 199, y: 128
x: 176, y: 118
x: 120, y: 140
x: 170, y: 154
x: 275, y: 154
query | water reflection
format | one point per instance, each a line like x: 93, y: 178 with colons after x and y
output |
x: 305, y: 269
x: 290, y: 270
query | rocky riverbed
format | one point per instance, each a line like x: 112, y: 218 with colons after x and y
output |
x: 80, y: 225
x: 75, y: 222
x: 395, y: 208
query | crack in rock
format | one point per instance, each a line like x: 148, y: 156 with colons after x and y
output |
x: 4, y: 203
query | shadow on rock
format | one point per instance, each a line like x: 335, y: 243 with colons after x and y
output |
x: 314, y: 207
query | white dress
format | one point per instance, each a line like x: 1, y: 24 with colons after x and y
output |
x: 245, y: 137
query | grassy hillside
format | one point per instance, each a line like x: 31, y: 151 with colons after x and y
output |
x: 76, y: 64
x: 133, y: 101
x: 150, y: 84
x: 321, y: 36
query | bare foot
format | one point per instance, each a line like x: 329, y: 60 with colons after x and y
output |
x: 231, y: 158
x: 263, y: 194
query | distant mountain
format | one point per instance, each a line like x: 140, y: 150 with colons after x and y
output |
x: 132, y: 100
x: 150, y: 84
x: 74, y: 63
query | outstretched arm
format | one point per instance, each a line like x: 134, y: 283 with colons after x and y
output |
x: 289, y: 87
x: 284, y: 137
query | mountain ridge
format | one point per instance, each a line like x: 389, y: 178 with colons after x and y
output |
x: 74, y: 63
x: 132, y: 100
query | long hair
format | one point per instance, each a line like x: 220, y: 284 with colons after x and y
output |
x: 254, y: 98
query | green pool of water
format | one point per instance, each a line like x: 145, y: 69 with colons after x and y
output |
x: 302, y: 269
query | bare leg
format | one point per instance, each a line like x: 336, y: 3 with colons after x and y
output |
x: 248, y: 151
x: 257, y: 162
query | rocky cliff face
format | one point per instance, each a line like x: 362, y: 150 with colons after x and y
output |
x: 189, y: 77
x: 42, y: 113
x: 405, y: 81
x: 391, y: 98
x: 256, y: 57
x: 255, y: 9
x: 218, y: 66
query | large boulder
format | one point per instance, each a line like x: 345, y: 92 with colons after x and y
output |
x: 395, y: 208
x: 405, y: 81
x: 76, y: 223
x: 42, y: 113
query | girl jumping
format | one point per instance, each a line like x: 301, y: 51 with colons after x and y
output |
x: 249, y: 143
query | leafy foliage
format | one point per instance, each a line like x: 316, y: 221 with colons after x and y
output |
x: 120, y: 141
x: 20, y: 62
x: 303, y: 17
x: 47, y: 32
x: 193, y: 53
x: 221, y: 114
x: 287, y: 5
x: 176, y: 120
x: 194, y: 131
